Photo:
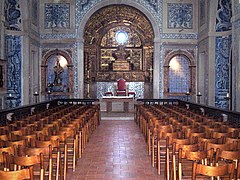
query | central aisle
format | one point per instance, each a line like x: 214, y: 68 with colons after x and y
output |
x: 116, y: 150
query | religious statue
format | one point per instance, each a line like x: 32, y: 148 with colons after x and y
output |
x: 58, y: 70
x: 121, y: 54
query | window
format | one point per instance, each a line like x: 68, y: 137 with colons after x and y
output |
x: 121, y: 37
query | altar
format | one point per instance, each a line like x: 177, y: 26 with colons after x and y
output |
x: 109, y: 100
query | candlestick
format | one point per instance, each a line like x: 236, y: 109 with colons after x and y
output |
x: 229, y: 101
x: 88, y: 90
x: 49, y: 95
x: 36, y: 96
x: 187, y: 93
x: 10, y: 99
x: 198, y: 97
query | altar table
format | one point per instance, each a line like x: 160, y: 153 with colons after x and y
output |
x: 110, y: 99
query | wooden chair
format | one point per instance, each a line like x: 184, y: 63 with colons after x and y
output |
x: 4, y: 137
x: 203, y: 141
x: 3, y: 150
x: 30, y: 162
x: 221, y: 135
x: 164, y: 141
x: 216, y: 146
x: 234, y: 141
x: 16, y: 175
x: 62, y: 149
x: 213, y: 171
x: 230, y: 156
x: 52, y: 156
x: 18, y: 142
x: 185, y: 167
x: 154, y: 135
x: 178, y: 156
x: 71, y: 141
x: 184, y: 144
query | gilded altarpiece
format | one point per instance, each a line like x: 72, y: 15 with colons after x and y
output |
x: 102, y: 60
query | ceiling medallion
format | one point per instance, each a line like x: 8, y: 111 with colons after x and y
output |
x: 121, y: 37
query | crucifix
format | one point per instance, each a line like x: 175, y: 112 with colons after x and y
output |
x: 150, y: 73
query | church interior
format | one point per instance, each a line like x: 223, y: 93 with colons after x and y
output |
x: 121, y: 89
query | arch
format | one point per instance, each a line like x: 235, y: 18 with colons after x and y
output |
x: 44, y: 72
x: 179, y: 52
x: 192, y: 68
x: 105, y: 3
x: 58, y: 52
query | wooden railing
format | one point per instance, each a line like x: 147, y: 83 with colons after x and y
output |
x: 232, y: 116
x: 12, y: 114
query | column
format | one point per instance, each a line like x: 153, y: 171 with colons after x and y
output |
x: 157, y: 70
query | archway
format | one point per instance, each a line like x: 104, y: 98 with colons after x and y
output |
x: 156, y: 24
x: 182, y: 70
x: 57, y: 75
x: 101, y: 67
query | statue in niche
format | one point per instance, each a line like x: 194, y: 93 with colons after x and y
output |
x: 58, y: 70
x: 121, y: 54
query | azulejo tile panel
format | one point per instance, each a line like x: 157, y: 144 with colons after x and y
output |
x: 236, y: 7
x: 57, y: 15
x: 75, y: 71
x: 224, y: 15
x: 161, y: 71
x: 222, y: 77
x: 57, y: 36
x: 13, y: 55
x: 178, y: 36
x: 12, y: 12
x: 103, y: 87
x: 138, y: 88
x: 202, y: 12
x: 35, y: 12
x: 180, y: 15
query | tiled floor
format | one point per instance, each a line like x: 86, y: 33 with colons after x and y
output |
x: 116, y: 150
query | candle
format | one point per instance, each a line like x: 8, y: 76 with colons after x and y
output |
x: 227, y: 95
x: 88, y: 74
